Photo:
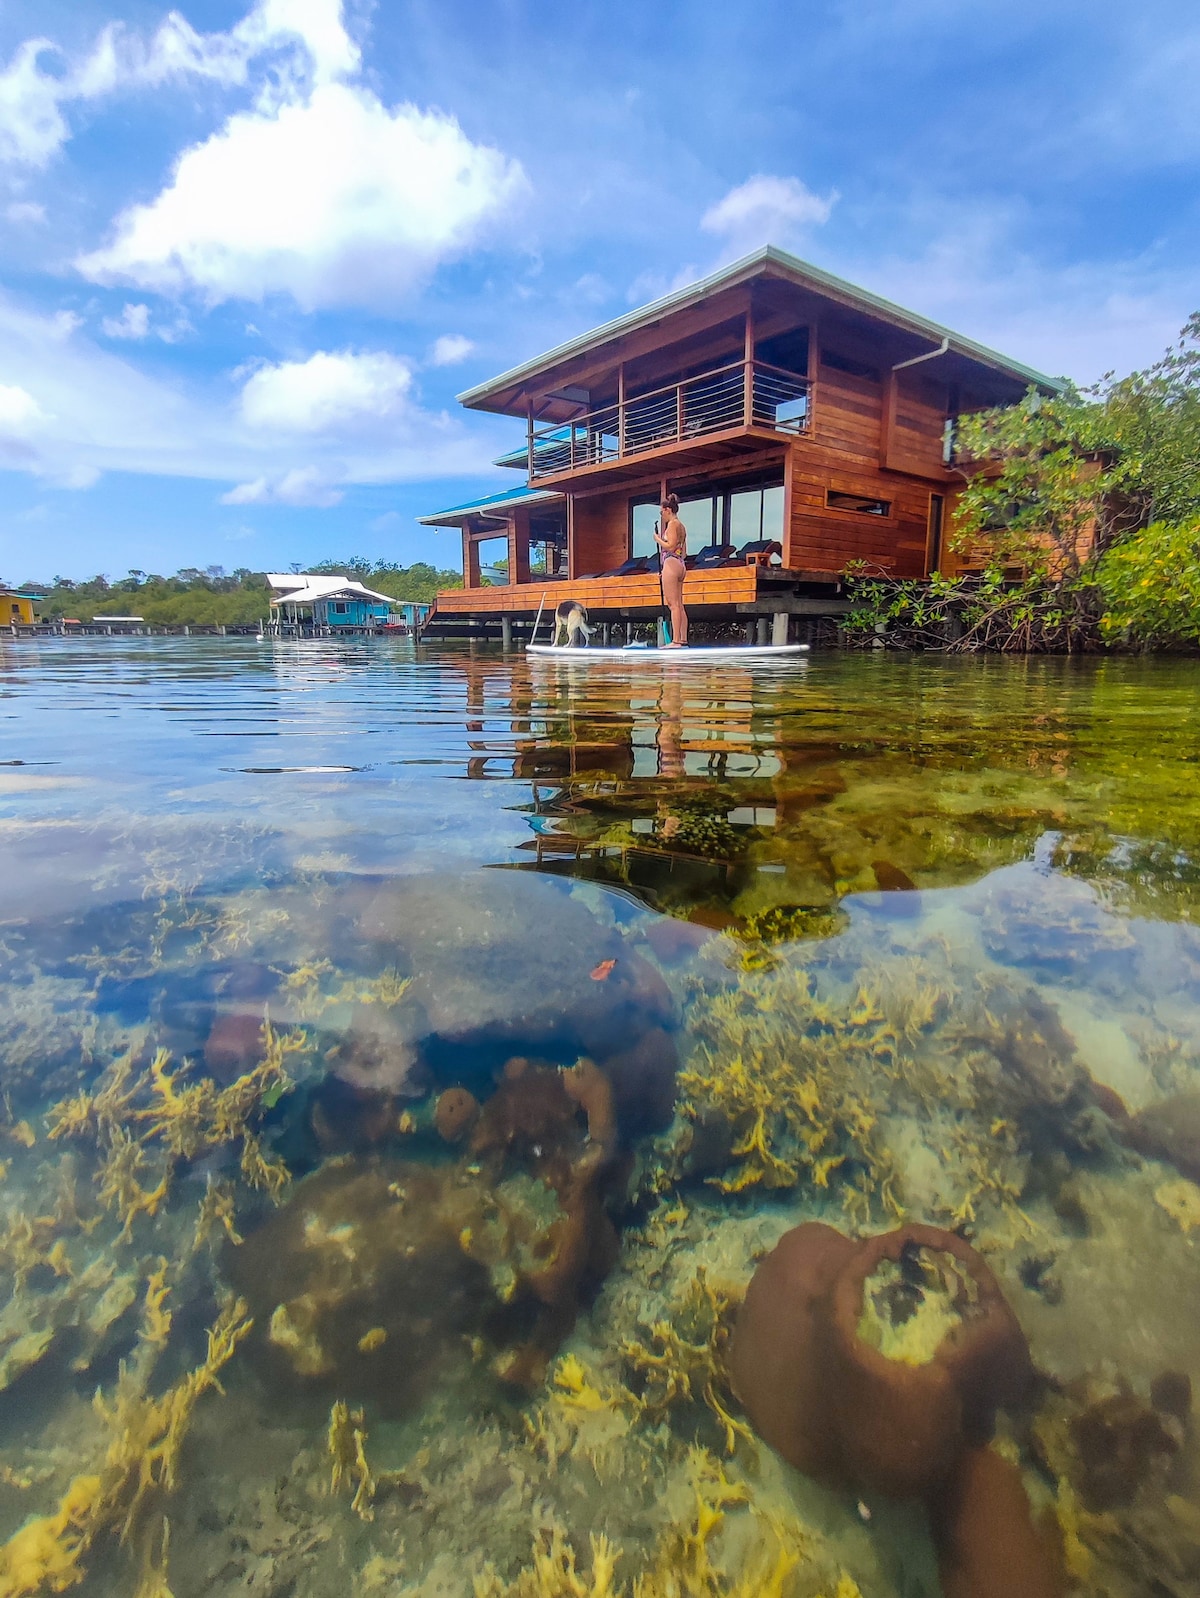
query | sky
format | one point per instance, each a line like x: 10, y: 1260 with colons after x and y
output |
x: 250, y: 250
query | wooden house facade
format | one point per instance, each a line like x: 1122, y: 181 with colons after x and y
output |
x: 804, y: 424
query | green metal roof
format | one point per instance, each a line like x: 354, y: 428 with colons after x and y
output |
x: 750, y: 266
x: 505, y: 500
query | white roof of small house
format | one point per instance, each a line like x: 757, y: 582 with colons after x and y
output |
x: 303, y: 588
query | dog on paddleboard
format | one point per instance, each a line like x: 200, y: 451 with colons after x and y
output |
x: 571, y: 629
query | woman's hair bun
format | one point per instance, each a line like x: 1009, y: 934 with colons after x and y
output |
x: 671, y: 503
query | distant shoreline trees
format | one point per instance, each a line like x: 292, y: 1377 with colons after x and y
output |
x: 212, y: 597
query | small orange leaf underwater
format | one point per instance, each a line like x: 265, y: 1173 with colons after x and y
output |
x: 603, y: 971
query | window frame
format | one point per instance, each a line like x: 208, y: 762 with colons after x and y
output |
x: 884, y: 514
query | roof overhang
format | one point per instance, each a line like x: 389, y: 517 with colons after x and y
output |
x: 496, y: 395
x: 491, y: 505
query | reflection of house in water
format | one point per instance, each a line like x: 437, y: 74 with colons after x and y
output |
x: 675, y: 789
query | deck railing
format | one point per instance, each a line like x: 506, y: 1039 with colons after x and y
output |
x: 742, y: 394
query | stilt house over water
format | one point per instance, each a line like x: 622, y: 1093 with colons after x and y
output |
x: 803, y: 423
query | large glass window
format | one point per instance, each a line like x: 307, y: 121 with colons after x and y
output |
x: 729, y: 518
x: 643, y: 522
x: 702, y: 518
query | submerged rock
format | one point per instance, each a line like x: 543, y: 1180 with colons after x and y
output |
x: 375, y: 1279
x: 1170, y: 1131
x: 501, y: 963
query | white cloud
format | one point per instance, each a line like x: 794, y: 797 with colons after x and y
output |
x: 450, y: 349
x: 21, y: 211
x: 31, y: 125
x: 333, y: 199
x: 19, y: 411
x: 133, y: 322
x: 99, y: 413
x: 767, y: 210
x: 325, y: 391
x: 303, y: 485
x: 308, y: 39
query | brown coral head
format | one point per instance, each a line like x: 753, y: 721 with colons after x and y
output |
x: 891, y: 1419
x: 988, y: 1544
x: 455, y: 1114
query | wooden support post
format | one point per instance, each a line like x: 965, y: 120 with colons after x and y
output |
x: 518, y: 546
x: 891, y: 384
x: 529, y: 434
x: 779, y: 628
x: 750, y: 630
x: 506, y: 631
x: 621, y: 411
x: 470, y: 560
x: 763, y: 629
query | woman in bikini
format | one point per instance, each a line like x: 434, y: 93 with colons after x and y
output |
x: 671, y: 538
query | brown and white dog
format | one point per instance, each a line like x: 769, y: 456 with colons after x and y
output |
x: 571, y: 629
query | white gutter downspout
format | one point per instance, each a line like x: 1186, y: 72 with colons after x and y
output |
x: 929, y: 355
x: 948, y: 430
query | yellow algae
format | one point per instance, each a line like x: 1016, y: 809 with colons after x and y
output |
x: 156, y: 1320
x: 797, y: 1085
x: 1181, y: 1200
x: 146, y: 1122
x: 685, y: 1360
x: 683, y: 1565
x: 372, y: 1340
x: 46, y: 1553
x: 216, y: 1215
x: 346, y: 1447
x: 126, y: 1495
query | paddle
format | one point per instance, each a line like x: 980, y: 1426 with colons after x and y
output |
x: 666, y: 620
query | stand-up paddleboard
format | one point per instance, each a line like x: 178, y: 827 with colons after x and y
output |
x: 690, y: 654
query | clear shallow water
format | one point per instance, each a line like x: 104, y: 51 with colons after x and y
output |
x: 917, y: 921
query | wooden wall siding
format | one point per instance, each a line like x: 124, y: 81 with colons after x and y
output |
x: 821, y: 539
x: 847, y: 415
x: 915, y: 420
x: 735, y: 585
x: 601, y: 532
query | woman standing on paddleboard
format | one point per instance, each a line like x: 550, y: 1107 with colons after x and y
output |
x: 671, y: 538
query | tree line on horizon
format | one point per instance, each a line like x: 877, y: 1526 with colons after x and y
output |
x: 212, y: 597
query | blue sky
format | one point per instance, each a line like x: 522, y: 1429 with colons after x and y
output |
x: 251, y: 251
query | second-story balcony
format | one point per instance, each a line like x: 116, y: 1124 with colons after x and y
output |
x: 738, y: 398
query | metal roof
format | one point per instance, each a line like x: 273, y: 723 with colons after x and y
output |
x: 504, y: 500
x: 304, y: 588
x: 750, y: 266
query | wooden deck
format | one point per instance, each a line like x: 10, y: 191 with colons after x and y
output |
x: 728, y: 585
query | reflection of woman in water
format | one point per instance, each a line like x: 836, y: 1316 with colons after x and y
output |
x: 669, y: 734
x: 671, y: 538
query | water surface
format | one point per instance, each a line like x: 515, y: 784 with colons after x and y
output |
x: 859, y: 939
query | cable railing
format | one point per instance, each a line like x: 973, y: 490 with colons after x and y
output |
x: 740, y: 394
